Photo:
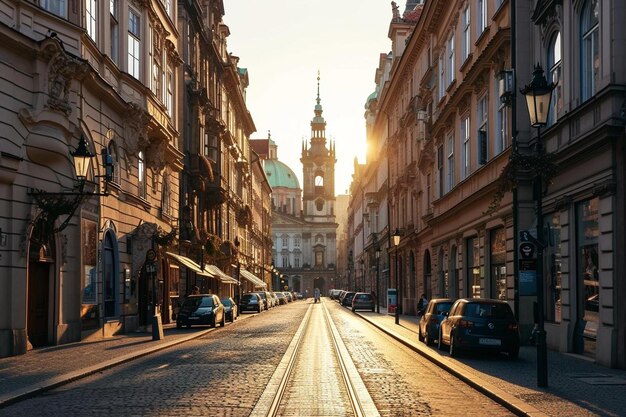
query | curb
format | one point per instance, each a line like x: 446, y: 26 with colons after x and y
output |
x: 508, y: 401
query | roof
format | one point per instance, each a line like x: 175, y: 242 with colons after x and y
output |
x: 280, y: 175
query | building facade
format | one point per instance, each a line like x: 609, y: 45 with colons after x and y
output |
x: 87, y: 257
x: 450, y: 117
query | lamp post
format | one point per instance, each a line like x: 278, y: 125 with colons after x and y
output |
x: 238, y: 288
x: 538, y: 94
x: 378, y: 280
x: 396, y: 242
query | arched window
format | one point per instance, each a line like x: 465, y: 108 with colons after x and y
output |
x: 112, y: 148
x: 554, y: 66
x: 590, y: 48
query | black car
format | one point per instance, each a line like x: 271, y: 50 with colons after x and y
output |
x: 201, y: 309
x: 230, y: 309
x: 435, y: 312
x: 480, y: 324
x: 251, y: 302
x: 346, y: 301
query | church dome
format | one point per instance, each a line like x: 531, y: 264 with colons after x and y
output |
x: 280, y: 175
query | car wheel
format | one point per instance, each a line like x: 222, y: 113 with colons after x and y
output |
x: 440, y: 344
x: 427, y: 339
x: 353, y: 309
x: 213, y: 321
x: 419, y: 334
x: 179, y: 325
x: 373, y: 309
x: 258, y: 309
x: 223, y: 322
x: 454, y: 350
x: 514, y: 352
x: 189, y: 326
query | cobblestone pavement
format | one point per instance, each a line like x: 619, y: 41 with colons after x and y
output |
x: 221, y: 374
x: 403, y: 383
x: 577, y: 386
x: 188, y: 379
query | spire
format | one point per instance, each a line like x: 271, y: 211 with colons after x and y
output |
x: 318, y: 87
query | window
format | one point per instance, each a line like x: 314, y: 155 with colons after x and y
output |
x: 428, y: 191
x: 285, y: 263
x: 115, y: 34
x: 319, y: 259
x: 134, y: 37
x: 141, y: 175
x: 553, y: 302
x: 440, y: 170
x: 90, y: 277
x: 554, y: 66
x: 450, y: 182
x: 442, y: 87
x: 473, y: 266
x: 466, y: 153
x: 296, y: 262
x: 296, y: 242
x: 112, y: 148
x: 451, y: 66
x: 157, y: 74
x: 169, y: 92
x: 502, y: 127
x: 483, y: 143
x: 481, y: 16
x: 590, y: 48
x: 57, y: 7
x: 466, y: 40
x: 588, y: 233
x: 90, y: 18
x: 165, y: 195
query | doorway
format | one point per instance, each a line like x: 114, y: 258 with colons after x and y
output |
x: 38, y: 313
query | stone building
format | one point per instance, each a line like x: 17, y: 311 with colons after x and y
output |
x: 87, y: 257
x: 448, y: 113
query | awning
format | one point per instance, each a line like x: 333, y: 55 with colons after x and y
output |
x: 221, y: 275
x: 183, y: 260
x: 257, y: 282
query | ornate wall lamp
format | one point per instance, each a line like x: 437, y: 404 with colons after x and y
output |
x: 53, y: 204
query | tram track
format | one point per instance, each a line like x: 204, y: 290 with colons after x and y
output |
x: 316, y: 335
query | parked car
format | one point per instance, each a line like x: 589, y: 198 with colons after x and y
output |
x: 281, y: 298
x: 274, y: 298
x: 435, y: 312
x: 480, y: 324
x: 288, y: 296
x: 266, y: 299
x: 251, y: 301
x: 363, y: 301
x: 339, y: 296
x: 230, y: 309
x: 299, y: 296
x: 346, y: 301
x: 333, y: 294
x: 201, y: 309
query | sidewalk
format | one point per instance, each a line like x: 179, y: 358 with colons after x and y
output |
x: 576, y: 386
x: 43, y: 369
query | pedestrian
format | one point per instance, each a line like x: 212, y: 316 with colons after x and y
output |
x: 317, y: 295
x: 422, y: 304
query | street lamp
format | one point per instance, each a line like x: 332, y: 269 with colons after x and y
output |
x: 53, y: 204
x: 378, y: 280
x: 396, y: 242
x: 538, y: 95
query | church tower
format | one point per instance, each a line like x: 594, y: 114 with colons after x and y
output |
x: 318, y: 164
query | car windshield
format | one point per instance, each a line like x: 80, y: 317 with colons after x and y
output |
x: 248, y: 297
x: 226, y: 301
x: 443, y: 307
x: 199, y: 302
x: 488, y: 310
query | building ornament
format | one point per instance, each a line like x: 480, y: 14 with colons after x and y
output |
x: 62, y: 69
x: 135, y: 129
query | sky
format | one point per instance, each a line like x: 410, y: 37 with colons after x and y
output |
x: 283, y: 44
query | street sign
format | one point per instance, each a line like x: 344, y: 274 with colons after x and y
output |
x: 151, y: 255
